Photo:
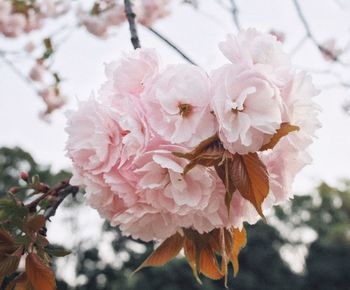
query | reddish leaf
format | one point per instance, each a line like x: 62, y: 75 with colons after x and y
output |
x: 208, y: 153
x: 200, y: 148
x: 284, y: 130
x: 190, y: 253
x: 21, y: 282
x: 251, y: 178
x: 224, y: 172
x: 35, y: 223
x: 7, y: 244
x: 40, y: 275
x: 209, y: 265
x: 8, y: 265
x: 168, y: 250
x: 239, y: 242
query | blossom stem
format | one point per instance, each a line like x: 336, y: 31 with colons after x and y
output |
x: 130, y: 15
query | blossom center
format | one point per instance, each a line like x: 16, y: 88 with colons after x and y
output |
x: 185, y: 109
x: 237, y: 107
x: 124, y: 132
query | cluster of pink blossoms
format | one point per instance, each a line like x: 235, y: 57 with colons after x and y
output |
x: 18, y: 17
x: 110, y: 13
x: 122, y: 142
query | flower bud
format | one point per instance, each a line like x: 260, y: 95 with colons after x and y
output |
x: 13, y: 189
x: 24, y: 175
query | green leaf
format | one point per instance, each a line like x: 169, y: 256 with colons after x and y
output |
x: 56, y: 251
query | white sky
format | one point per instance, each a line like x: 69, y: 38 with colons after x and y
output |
x: 81, y: 60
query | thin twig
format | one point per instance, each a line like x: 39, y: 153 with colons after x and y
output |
x: 310, y: 35
x: 172, y: 45
x: 16, y: 70
x: 130, y: 15
x: 61, y: 195
x: 235, y: 13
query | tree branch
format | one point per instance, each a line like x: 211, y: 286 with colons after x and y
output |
x: 235, y: 12
x: 310, y: 35
x: 60, y: 196
x: 172, y: 45
x: 130, y: 15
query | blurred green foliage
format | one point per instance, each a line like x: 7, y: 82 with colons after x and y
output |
x: 326, y: 212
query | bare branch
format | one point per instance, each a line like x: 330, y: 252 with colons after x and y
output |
x: 235, y: 13
x: 15, y: 69
x: 60, y: 196
x: 172, y: 45
x: 130, y: 15
x: 310, y: 35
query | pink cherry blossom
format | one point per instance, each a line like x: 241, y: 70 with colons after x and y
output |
x: 260, y: 51
x: 290, y: 155
x: 122, y: 145
x: 95, y: 138
x: 146, y: 223
x: 14, y: 25
x: 37, y: 72
x: 162, y: 184
x: 247, y: 107
x: 331, y: 50
x: 178, y: 105
x: 280, y: 36
x: 132, y: 73
x: 98, y: 194
x: 152, y: 10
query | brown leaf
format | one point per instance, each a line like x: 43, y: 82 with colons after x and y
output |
x: 224, y: 172
x: 8, y: 264
x: 7, y: 244
x: 284, y: 130
x: 21, y: 282
x: 251, y: 178
x: 35, y: 223
x: 206, y: 160
x: 190, y: 253
x: 40, y: 275
x: 168, y: 250
x: 209, y: 265
x: 200, y: 148
x: 208, y: 153
x: 239, y: 242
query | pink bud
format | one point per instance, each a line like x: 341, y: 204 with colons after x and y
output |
x: 13, y: 189
x: 24, y: 175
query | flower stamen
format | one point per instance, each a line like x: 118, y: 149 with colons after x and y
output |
x: 185, y: 109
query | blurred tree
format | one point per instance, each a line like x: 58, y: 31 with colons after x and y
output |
x: 15, y: 160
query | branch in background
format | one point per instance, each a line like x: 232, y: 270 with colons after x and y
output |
x: 310, y: 35
x: 60, y: 196
x: 172, y: 45
x: 235, y: 13
x: 130, y: 15
x: 10, y: 65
